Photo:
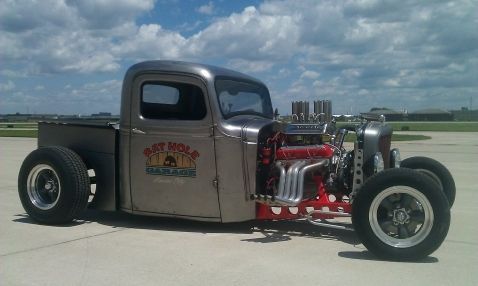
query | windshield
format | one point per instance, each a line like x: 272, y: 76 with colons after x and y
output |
x: 238, y: 98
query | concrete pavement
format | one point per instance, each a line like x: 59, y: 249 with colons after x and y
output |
x: 120, y: 249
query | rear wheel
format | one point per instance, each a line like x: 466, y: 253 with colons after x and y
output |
x: 53, y: 185
x: 399, y: 215
x: 436, y: 171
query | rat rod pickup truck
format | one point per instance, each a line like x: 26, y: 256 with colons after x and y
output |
x: 200, y: 142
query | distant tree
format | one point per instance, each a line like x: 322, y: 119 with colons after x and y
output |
x: 276, y: 113
x: 379, y: 108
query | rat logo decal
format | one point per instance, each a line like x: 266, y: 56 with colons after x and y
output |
x: 171, y: 159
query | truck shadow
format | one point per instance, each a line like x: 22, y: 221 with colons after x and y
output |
x: 260, y: 231
x: 269, y: 231
x: 366, y: 255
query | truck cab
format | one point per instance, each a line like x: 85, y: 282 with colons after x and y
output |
x: 180, y: 124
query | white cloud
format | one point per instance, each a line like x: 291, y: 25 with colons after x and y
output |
x: 97, y: 62
x: 106, y: 14
x: 392, y: 82
x: 109, y: 86
x: 23, y: 16
x: 308, y: 74
x: 66, y: 36
x: 151, y: 42
x: 87, y: 98
x: 10, y: 73
x: 250, y: 66
x: 207, y: 9
x: 8, y: 86
x: 249, y: 35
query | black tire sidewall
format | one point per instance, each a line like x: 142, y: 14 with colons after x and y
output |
x: 404, y: 177
x: 62, y: 211
x: 441, y: 172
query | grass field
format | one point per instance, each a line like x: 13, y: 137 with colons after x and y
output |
x: 18, y: 125
x: 18, y: 133
x: 18, y: 129
x: 395, y: 137
x: 28, y: 129
x: 435, y: 126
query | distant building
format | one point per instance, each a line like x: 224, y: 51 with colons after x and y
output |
x: 430, y: 115
x: 101, y: 114
x: 19, y: 117
x: 465, y: 114
x: 390, y: 114
x: 345, y: 117
x: 15, y: 117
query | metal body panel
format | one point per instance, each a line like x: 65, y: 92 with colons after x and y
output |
x: 236, y: 155
x: 96, y: 145
x: 186, y: 186
x: 373, y: 135
x: 231, y: 149
x: 231, y: 185
x: 196, y: 218
x: 125, y: 202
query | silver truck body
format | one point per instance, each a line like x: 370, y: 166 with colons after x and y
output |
x: 199, y: 142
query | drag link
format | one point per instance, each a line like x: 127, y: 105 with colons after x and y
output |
x: 311, y: 220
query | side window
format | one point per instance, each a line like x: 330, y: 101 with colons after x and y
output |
x: 173, y: 101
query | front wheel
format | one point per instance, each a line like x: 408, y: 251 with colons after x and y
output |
x: 436, y: 171
x: 399, y: 215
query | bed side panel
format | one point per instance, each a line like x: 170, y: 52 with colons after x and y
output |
x: 96, y: 146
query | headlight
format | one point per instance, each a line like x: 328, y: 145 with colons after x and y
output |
x: 378, y: 165
x: 395, y: 159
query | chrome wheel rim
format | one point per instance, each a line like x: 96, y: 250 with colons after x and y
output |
x: 401, y: 216
x: 43, y: 187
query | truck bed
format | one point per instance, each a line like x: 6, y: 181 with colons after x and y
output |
x: 97, y: 144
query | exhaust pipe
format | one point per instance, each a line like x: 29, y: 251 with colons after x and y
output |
x: 291, y: 179
x: 281, y: 186
x: 291, y: 183
x: 302, y: 172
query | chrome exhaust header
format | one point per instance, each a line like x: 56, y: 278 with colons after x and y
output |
x: 290, y: 189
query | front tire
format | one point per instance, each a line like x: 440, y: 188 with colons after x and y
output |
x: 399, y: 215
x: 436, y: 171
x: 53, y: 185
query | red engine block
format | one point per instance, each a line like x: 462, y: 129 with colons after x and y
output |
x: 304, y: 152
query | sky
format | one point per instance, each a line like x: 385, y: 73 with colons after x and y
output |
x: 69, y: 56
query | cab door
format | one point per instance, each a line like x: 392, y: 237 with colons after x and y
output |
x: 172, y: 159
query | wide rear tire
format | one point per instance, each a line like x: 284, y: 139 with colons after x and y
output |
x: 53, y: 185
x: 436, y: 171
x: 399, y: 215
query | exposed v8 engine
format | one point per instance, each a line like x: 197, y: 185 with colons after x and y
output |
x: 302, y: 161
x: 307, y: 159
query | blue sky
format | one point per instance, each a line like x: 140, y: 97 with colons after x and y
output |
x: 69, y: 57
